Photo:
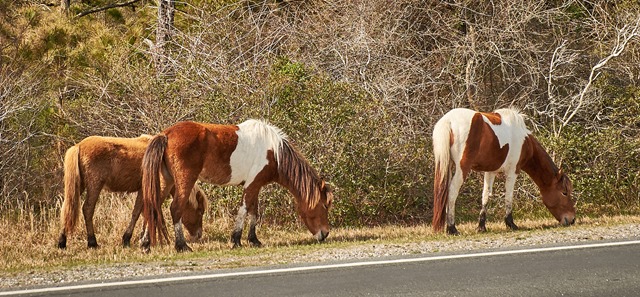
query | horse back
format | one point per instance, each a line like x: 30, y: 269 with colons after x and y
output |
x: 201, y: 150
x: 488, y: 141
x: 113, y: 162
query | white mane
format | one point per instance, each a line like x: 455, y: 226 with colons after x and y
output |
x: 260, y: 131
x: 513, y: 117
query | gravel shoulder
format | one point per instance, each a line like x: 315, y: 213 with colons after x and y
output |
x: 324, y: 253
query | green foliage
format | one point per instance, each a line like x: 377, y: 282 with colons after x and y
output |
x: 603, y: 163
x: 365, y: 128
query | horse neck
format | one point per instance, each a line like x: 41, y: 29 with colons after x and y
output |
x: 539, y: 165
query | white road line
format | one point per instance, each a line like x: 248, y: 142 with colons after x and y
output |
x: 310, y: 268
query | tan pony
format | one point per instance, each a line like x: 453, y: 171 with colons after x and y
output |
x: 252, y: 154
x: 114, y: 164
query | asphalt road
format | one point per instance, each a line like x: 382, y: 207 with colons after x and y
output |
x: 599, y: 269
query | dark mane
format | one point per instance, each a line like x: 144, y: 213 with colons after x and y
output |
x: 294, y: 170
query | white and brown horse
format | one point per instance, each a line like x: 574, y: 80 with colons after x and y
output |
x: 115, y: 164
x: 252, y: 154
x: 492, y: 143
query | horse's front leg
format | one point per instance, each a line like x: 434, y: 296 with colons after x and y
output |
x: 487, y: 192
x: 509, y: 185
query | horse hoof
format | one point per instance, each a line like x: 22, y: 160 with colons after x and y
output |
x: 255, y: 243
x: 236, y: 245
x: 183, y: 248
x: 452, y: 230
x: 126, y: 240
x: 92, y: 242
x: 62, y: 242
x: 481, y: 229
x: 509, y: 222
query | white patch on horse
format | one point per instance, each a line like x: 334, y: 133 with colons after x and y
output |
x: 242, y: 213
x: 512, y: 131
x: 460, y: 123
x: 177, y: 229
x: 255, y: 139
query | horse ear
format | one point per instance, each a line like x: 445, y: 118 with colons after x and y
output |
x: 560, y: 175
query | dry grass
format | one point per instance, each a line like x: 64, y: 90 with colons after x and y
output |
x: 29, y: 242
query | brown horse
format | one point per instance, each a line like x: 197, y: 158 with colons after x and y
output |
x: 252, y: 154
x: 112, y: 163
x: 491, y: 143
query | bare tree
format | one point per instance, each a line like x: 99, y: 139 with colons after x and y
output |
x: 164, y: 35
x: 623, y: 37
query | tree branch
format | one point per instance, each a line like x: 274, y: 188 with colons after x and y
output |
x: 624, y: 36
x: 99, y: 9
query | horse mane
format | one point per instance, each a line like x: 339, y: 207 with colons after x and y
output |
x: 303, y: 178
x: 514, y: 117
x: 262, y: 130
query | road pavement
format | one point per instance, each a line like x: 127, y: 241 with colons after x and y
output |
x: 597, y: 269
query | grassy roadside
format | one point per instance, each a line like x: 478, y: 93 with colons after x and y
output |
x: 28, y: 242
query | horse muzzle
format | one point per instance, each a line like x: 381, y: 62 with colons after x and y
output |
x: 567, y: 221
x: 196, y: 236
x: 321, y: 235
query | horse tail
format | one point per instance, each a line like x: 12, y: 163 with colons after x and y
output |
x: 442, y: 176
x: 151, y: 165
x: 72, y: 190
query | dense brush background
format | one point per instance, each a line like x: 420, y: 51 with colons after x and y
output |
x: 357, y: 85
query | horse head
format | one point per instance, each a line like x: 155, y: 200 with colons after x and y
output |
x: 558, y: 199
x: 192, y: 215
x: 316, y: 217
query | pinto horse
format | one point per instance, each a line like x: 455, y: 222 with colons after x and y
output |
x: 252, y: 154
x: 115, y: 164
x: 492, y: 143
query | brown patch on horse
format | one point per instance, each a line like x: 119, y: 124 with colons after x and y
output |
x: 225, y: 139
x: 493, y: 117
x: 482, y: 150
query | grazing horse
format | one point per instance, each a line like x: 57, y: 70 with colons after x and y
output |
x: 491, y: 143
x: 115, y: 164
x: 252, y: 154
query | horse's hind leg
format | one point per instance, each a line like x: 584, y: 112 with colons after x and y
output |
x: 135, y: 214
x: 454, y: 189
x: 508, y: 197
x: 88, y: 210
x: 179, y: 202
x: 487, y: 191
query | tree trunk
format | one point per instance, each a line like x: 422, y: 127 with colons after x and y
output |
x: 64, y: 5
x: 164, y: 34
